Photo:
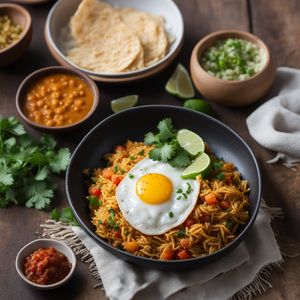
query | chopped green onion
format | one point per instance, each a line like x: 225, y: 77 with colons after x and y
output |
x: 171, y: 215
x: 179, y: 191
x: 130, y: 176
x: 181, y: 233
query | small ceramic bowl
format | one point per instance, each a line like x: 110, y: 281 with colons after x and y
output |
x: 237, y: 92
x: 41, y: 73
x: 20, y: 16
x: 45, y: 243
x: 56, y: 32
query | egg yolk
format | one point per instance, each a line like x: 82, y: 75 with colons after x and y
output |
x: 154, y: 188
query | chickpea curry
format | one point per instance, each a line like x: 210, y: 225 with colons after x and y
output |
x: 58, y: 100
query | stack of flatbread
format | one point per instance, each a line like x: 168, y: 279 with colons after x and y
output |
x: 116, y: 40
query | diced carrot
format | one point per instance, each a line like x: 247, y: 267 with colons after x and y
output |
x: 204, y: 217
x: 131, y: 246
x: 116, y: 179
x: 224, y: 204
x: 95, y: 191
x: 183, y: 254
x: 211, y: 199
x: 185, y: 243
x: 167, y: 254
x: 189, y: 222
x: 107, y: 173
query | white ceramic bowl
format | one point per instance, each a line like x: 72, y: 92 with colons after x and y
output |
x: 45, y: 243
x: 60, y: 14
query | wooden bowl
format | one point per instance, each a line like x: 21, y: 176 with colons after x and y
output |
x: 237, y: 92
x: 33, y: 77
x: 22, y: 17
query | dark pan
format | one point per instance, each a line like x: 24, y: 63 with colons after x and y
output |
x: 133, y: 124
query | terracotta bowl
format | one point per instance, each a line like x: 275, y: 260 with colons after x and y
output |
x: 33, y: 77
x: 20, y: 16
x: 231, y: 93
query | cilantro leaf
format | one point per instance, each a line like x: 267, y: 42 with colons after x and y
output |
x: 60, y: 161
x: 155, y: 154
x: 38, y: 195
x: 42, y: 174
x: 6, y: 177
x: 151, y: 138
x: 26, y: 165
x: 166, y: 130
x: 181, y: 160
x: 65, y: 215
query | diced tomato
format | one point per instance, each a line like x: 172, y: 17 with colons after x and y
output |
x: 185, y: 243
x: 189, y: 222
x: 117, y: 234
x: 168, y: 254
x: 107, y: 173
x: 211, y: 199
x: 119, y: 148
x: 116, y: 179
x: 204, y: 217
x: 184, y: 254
x: 224, y: 204
x: 95, y: 191
x: 131, y: 246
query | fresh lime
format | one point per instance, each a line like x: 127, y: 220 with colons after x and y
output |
x: 198, y: 105
x: 200, y: 166
x: 180, y: 83
x: 190, y: 141
x: 124, y: 103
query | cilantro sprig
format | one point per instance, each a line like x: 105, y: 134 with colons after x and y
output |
x: 65, y: 215
x: 166, y: 147
x: 26, y: 166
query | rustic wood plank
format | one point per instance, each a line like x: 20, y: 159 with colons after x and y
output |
x: 278, y: 24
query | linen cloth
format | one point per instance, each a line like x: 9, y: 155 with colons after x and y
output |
x: 275, y: 125
x: 218, y: 280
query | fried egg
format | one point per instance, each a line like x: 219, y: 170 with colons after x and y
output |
x: 153, y: 197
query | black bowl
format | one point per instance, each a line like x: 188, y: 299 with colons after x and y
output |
x: 132, y: 124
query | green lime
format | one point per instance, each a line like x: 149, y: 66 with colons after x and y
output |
x: 198, y: 105
x: 180, y: 83
x: 200, y: 166
x: 124, y: 103
x: 190, y: 141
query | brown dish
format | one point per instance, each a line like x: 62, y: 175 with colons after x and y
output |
x: 235, y: 92
x: 56, y: 98
x: 16, y: 49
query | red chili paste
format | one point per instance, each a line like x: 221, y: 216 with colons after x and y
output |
x: 46, y: 266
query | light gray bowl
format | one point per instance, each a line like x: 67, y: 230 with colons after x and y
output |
x: 60, y: 14
x: 45, y: 243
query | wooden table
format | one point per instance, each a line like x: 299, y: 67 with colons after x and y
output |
x: 277, y: 22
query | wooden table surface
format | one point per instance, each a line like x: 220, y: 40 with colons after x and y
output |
x: 277, y: 22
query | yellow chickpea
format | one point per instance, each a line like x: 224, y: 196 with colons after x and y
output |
x: 59, y: 110
x: 81, y: 93
x: 76, y: 108
x: 30, y: 97
x: 40, y: 103
x: 78, y: 102
x: 54, y: 102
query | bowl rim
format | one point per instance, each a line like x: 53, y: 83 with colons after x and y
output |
x: 168, y: 56
x: 197, y: 52
x: 21, y: 11
x: 47, y: 71
x: 105, y: 245
x: 19, y: 257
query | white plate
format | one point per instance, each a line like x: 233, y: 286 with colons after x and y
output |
x: 60, y: 14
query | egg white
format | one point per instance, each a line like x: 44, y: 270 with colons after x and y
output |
x: 154, y: 219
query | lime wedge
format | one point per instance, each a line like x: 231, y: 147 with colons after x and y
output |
x: 124, y: 103
x: 200, y: 166
x: 180, y: 83
x: 198, y: 105
x: 190, y: 141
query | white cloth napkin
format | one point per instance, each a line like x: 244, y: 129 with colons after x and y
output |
x: 218, y: 280
x: 275, y: 125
